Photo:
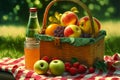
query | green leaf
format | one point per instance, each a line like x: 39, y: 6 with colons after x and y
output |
x: 73, y: 60
x: 101, y: 65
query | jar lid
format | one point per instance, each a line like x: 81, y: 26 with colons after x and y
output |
x: 33, y: 9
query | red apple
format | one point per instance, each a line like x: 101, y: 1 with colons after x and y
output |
x: 85, y: 25
x: 72, y: 31
x: 69, y: 18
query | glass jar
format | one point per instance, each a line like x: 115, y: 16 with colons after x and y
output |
x: 32, y: 53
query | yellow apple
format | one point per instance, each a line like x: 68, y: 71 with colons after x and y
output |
x: 85, y: 25
x: 72, y: 31
x: 41, y: 67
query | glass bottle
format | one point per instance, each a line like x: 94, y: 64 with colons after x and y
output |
x: 33, y: 26
x: 31, y: 45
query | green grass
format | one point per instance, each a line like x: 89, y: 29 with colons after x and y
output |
x: 112, y: 45
x: 12, y: 39
x: 11, y: 46
x: 12, y: 53
x: 112, y: 38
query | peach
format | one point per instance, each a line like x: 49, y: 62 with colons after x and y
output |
x: 68, y: 18
x: 85, y: 25
x: 72, y: 31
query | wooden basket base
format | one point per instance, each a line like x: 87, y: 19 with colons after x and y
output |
x: 85, y: 54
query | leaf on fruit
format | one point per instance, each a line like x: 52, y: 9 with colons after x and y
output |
x: 52, y: 19
x: 58, y: 15
x: 74, y: 9
x: 73, y: 60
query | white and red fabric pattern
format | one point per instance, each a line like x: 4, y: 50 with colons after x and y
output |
x: 17, y: 68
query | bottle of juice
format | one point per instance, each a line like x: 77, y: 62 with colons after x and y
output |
x: 33, y: 26
x: 32, y: 53
x: 31, y: 45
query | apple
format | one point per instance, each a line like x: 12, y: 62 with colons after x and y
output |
x: 68, y: 18
x: 41, y: 67
x: 57, y: 67
x: 85, y: 25
x: 72, y: 31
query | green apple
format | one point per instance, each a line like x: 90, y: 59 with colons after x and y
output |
x: 41, y: 67
x: 57, y: 67
x: 72, y: 31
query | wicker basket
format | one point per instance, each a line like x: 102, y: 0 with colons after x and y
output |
x: 87, y: 54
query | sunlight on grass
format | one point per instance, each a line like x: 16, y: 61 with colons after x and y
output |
x: 12, y: 30
x: 112, y: 28
x: 10, y: 53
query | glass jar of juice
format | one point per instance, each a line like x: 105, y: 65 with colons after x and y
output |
x: 32, y: 53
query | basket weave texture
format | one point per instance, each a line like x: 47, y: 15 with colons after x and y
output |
x: 86, y: 53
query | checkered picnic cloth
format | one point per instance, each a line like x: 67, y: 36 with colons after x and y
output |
x: 17, y: 68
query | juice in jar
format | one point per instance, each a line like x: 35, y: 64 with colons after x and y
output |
x: 32, y: 54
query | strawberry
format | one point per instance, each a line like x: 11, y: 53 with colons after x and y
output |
x: 46, y: 58
x: 76, y: 64
x: 91, y: 70
x: 55, y: 58
x: 67, y: 66
x: 67, y: 69
x: 82, y: 68
x: 73, y: 71
x: 110, y: 66
x: 116, y: 57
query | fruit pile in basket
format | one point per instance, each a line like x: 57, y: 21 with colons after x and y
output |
x: 68, y: 24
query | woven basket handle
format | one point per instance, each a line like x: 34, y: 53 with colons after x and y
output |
x: 75, y: 1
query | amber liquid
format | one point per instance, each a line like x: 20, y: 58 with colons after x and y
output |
x: 31, y: 56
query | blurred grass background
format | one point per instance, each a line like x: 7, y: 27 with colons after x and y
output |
x: 12, y: 39
x: 14, y: 18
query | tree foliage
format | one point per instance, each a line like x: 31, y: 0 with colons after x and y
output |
x: 17, y: 11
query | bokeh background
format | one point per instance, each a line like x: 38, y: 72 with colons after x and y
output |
x: 14, y: 16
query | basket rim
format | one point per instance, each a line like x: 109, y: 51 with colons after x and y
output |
x: 72, y: 41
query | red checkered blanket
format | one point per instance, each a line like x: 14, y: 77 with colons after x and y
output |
x: 17, y: 68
